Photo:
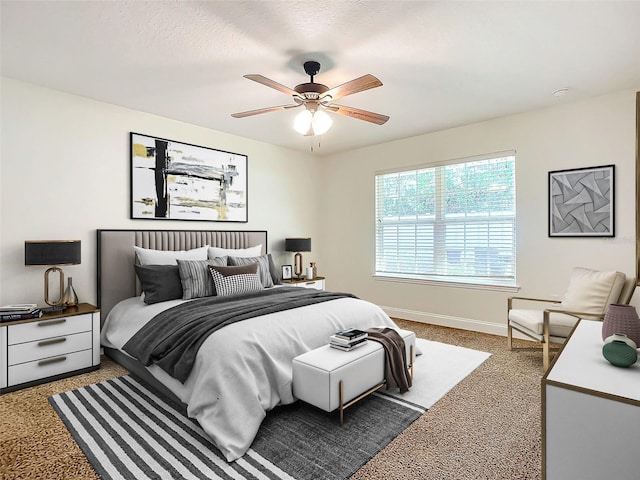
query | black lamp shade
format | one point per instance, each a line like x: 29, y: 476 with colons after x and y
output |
x: 297, y: 244
x: 52, y: 252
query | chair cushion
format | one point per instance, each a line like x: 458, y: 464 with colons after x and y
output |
x: 590, y: 291
x: 533, y: 321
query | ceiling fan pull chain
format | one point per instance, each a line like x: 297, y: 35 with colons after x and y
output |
x: 312, y: 142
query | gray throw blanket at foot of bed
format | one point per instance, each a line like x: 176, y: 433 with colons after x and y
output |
x: 172, y: 338
x: 396, y: 373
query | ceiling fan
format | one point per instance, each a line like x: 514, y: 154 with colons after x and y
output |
x: 316, y: 98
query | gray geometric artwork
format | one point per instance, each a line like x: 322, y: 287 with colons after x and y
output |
x: 581, y: 202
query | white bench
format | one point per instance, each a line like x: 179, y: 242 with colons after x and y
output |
x: 331, y: 379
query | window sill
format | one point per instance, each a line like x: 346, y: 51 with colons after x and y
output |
x: 473, y: 284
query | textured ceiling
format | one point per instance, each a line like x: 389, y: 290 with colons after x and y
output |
x: 443, y: 64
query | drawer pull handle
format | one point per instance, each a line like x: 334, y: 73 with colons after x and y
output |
x: 53, y: 341
x: 51, y: 322
x: 49, y: 361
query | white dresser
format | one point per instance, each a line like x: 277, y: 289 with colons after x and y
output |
x: 53, y: 346
x: 590, y: 412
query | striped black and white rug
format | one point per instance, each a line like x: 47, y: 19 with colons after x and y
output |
x: 128, y: 432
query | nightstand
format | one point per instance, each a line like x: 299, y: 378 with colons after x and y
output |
x: 317, y: 283
x: 53, y: 346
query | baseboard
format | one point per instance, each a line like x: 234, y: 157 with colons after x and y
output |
x: 449, y: 321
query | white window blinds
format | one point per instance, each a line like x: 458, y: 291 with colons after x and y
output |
x: 453, y: 221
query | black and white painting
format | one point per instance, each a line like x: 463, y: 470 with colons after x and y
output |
x: 177, y: 181
x: 581, y: 202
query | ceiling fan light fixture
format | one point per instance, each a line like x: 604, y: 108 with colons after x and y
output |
x: 316, y: 96
x: 316, y: 123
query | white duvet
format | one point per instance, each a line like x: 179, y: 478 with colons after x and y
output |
x: 244, y: 369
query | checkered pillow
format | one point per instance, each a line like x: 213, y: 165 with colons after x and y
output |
x: 236, y: 280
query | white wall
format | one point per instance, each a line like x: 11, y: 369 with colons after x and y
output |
x: 599, y: 131
x: 64, y: 172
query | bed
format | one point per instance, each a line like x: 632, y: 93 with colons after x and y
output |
x: 240, y: 371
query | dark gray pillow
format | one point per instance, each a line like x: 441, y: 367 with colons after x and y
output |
x: 196, y: 279
x: 264, y: 272
x: 159, y: 282
x: 275, y: 275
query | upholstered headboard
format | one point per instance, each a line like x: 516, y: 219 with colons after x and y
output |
x: 116, y: 258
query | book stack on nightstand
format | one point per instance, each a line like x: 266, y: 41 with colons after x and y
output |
x: 20, y: 311
x: 48, y: 347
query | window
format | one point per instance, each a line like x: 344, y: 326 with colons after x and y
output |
x: 451, y: 222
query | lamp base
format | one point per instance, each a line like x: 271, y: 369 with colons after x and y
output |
x: 53, y: 309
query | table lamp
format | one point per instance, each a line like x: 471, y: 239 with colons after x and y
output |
x: 52, y: 253
x: 297, y: 245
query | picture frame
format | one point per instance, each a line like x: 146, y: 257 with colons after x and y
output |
x: 286, y: 272
x: 173, y: 180
x: 582, y: 201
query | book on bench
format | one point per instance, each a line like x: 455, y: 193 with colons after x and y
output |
x: 350, y: 334
x: 348, y: 347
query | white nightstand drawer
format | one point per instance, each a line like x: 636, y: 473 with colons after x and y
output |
x: 49, y: 347
x: 317, y: 284
x: 41, y: 329
x: 47, y: 367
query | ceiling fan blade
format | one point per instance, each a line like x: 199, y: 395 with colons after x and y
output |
x: 271, y: 83
x: 262, y: 110
x: 352, y: 112
x: 354, y: 86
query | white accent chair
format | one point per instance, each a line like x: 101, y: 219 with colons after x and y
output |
x: 589, y: 294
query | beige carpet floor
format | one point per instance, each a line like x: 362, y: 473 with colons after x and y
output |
x: 487, y: 427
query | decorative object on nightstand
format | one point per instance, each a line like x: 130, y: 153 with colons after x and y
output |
x: 70, y: 298
x: 621, y: 319
x: 315, y: 269
x: 298, y: 245
x: 620, y: 350
x: 52, y: 253
x: 286, y: 272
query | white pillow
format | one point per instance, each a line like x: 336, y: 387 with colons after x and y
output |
x: 147, y: 256
x: 591, y: 291
x: 235, y: 252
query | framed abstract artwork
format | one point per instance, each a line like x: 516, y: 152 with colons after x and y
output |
x: 581, y: 202
x: 178, y: 181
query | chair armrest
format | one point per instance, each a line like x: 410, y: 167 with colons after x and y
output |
x: 590, y: 316
x: 529, y: 299
x: 548, y: 311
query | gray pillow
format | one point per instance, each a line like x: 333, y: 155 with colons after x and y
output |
x: 263, y: 267
x: 159, y: 282
x: 275, y: 275
x: 236, y: 280
x: 196, y: 279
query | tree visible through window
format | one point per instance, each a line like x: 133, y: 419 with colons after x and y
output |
x: 453, y: 222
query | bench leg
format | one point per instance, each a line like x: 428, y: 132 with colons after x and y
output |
x: 341, y: 393
x: 343, y: 406
x: 413, y: 357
